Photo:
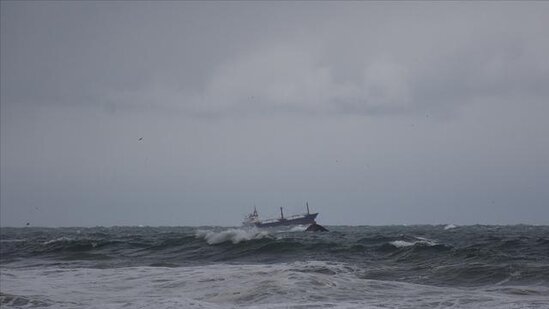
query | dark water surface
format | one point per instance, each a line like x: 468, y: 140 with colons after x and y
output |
x: 212, y: 267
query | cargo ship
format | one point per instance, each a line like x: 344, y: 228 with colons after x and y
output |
x: 301, y: 219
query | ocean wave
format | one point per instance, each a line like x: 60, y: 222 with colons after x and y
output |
x: 402, y: 243
x: 450, y: 227
x: 420, y: 241
x: 298, y: 228
x: 69, y: 247
x: 310, y: 284
x: 470, y: 255
x: 16, y: 301
x: 231, y: 235
x: 61, y: 239
x: 13, y: 240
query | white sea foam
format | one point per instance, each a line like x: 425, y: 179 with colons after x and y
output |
x: 450, y: 226
x: 401, y: 243
x: 56, y: 240
x: 13, y: 240
x: 298, y: 228
x: 420, y: 241
x: 233, y: 235
x: 312, y: 284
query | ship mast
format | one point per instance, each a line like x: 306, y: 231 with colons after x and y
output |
x: 307, y: 203
x: 281, y: 213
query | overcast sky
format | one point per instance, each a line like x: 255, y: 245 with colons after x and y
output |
x: 375, y: 113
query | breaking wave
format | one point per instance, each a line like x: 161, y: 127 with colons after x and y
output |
x: 470, y: 255
x: 308, y: 284
x: 298, y: 228
x: 231, y: 235
x: 402, y: 243
x: 57, y: 240
x: 420, y: 241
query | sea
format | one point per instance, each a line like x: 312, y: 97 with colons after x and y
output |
x: 420, y: 266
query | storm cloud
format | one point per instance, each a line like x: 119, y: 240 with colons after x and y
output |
x: 376, y: 113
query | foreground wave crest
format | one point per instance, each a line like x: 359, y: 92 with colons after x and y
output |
x: 303, y: 284
x: 233, y: 235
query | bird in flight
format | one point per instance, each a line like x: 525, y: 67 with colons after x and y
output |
x: 140, y: 139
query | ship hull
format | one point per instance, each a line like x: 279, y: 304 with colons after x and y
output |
x: 306, y: 219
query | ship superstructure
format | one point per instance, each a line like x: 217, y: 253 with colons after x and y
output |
x: 301, y: 219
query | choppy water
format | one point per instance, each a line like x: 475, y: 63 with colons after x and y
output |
x: 208, y: 267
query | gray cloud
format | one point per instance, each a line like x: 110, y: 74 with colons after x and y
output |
x: 374, y: 112
x: 363, y: 58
